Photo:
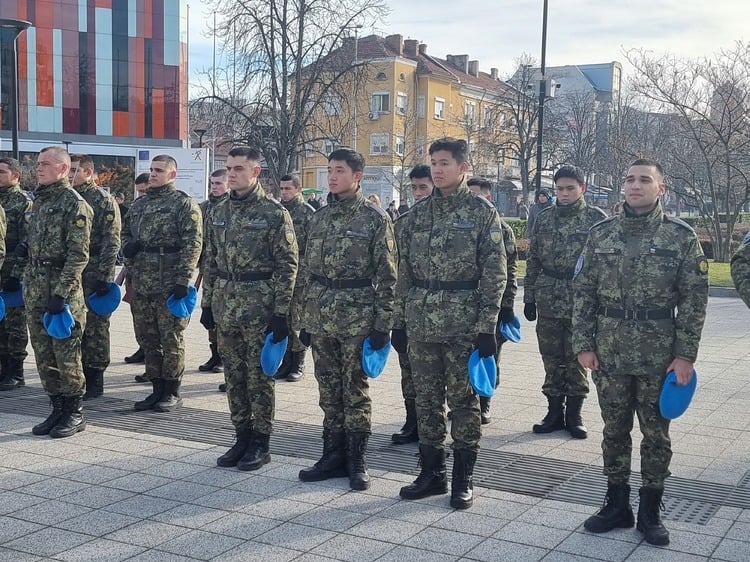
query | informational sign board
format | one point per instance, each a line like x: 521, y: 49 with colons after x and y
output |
x: 192, y: 168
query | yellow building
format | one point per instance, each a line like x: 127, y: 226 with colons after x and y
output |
x: 403, y: 101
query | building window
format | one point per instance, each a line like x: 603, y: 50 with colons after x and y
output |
x: 420, y: 106
x: 380, y: 76
x: 402, y: 77
x: 329, y: 145
x: 470, y: 111
x: 400, y: 145
x: 331, y: 103
x: 381, y: 102
x: 401, y: 101
x: 419, y: 148
x: 379, y: 143
x: 439, y: 108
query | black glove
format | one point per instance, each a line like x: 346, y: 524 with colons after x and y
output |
x: 207, y: 318
x: 486, y: 344
x: 378, y: 339
x: 11, y: 284
x: 506, y: 315
x: 55, y: 304
x: 130, y: 249
x: 179, y: 291
x: 529, y: 311
x: 279, y: 326
x: 22, y: 250
x: 399, y: 341
x: 101, y: 288
x: 305, y: 338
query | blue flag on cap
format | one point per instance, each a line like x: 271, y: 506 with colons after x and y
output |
x: 272, y: 355
x: 482, y: 374
x: 510, y: 331
x: 59, y: 326
x: 675, y: 398
x: 14, y: 299
x: 106, y: 305
x: 183, y: 308
x: 373, y: 361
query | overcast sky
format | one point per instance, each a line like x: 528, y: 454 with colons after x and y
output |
x: 579, y: 31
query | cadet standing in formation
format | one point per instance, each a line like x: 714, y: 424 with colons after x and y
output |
x: 560, y: 232
x: 58, y: 251
x: 451, y: 278
x: 740, y: 268
x: 14, y: 337
x: 103, y: 250
x: 641, y: 288
x: 350, y: 265
x: 251, y: 269
x: 162, y: 239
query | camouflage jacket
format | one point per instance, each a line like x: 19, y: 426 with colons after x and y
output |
x: 457, y: 238
x: 301, y: 213
x: 59, y: 235
x: 511, y: 254
x: 559, y: 234
x: 167, y: 223
x: 247, y: 236
x: 17, y: 206
x: 105, y: 235
x: 349, y: 239
x: 636, y: 263
x: 741, y: 269
x: 206, y: 207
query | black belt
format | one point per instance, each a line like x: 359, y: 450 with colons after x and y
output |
x: 632, y: 314
x: 247, y: 276
x: 558, y: 274
x: 436, y: 285
x: 48, y: 263
x: 341, y: 283
x: 161, y: 249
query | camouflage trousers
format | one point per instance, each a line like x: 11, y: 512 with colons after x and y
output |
x: 58, y: 361
x: 407, y: 377
x: 620, y: 397
x: 160, y: 335
x: 342, y: 384
x: 295, y: 323
x: 440, y: 372
x: 14, y: 335
x: 250, y: 393
x: 564, y: 376
x: 213, y: 335
x: 95, y: 342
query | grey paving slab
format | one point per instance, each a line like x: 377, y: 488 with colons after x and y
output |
x: 531, y: 534
x: 241, y: 525
x: 353, y: 549
x: 444, y: 541
x: 174, y: 470
x: 310, y: 493
x: 278, y: 508
x: 96, y: 474
x: 733, y: 550
x: 97, y: 523
x: 48, y: 542
x: 492, y: 550
x: 648, y: 553
x: 330, y: 519
x: 142, y: 506
x: 181, y: 491
x: 200, y: 544
x: 147, y: 533
x: 100, y: 549
x: 219, y: 477
x: 294, y: 536
x: 408, y: 554
x: 97, y: 496
x: 11, y: 528
x: 159, y: 556
x: 13, y: 501
x: 190, y: 515
x: 416, y: 512
x: 596, y: 546
x: 13, y: 479
x: 230, y: 500
x: 50, y: 512
x: 259, y: 551
x: 386, y: 529
x: 464, y: 521
x: 693, y: 543
x: 9, y: 555
x: 137, y: 482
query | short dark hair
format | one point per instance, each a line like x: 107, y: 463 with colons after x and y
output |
x: 142, y: 178
x: 249, y: 152
x: 352, y: 158
x: 219, y: 173
x: 458, y: 148
x: 119, y: 195
x: 420, y: 171
x: 572, y: 172
x: 166, y: 158
x: 84, y: 161
x: 648, y: 162
x: 292, y: 178
x: 483, y: 184
x: 13, y: 165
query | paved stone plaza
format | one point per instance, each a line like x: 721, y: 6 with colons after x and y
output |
x: 144, y: 486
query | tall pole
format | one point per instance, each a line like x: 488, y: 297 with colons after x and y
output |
x: 10, y: 30
x: 356, y: 84
x: 213, y: 118
x: 542, y: 96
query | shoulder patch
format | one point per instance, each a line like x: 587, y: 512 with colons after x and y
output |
x: 680, y: 222
x: 80, y: 221
x: 109, y: 216
x: 374, y: 207
x: 746, y: 239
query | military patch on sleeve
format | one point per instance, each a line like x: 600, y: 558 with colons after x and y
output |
x: 81, y: 221
x: 289, y: 235
x: 703, y: 265
x: 510, y: 248
x: 746, y: 239
x: 390, y: 244
x: 109, y: 216
x: 496, y: 234
x: 579, y: 266
x: 194, y: 216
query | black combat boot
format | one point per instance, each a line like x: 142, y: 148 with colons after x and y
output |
x: 356, y: 460
x: 409, y: 433
x: 142, y: 378
x: 138, y: 357
x: 94, y: 383
x: 214, y: 363
x: 432, y: 479
x: 233, y: 455
x: 484, y: 409
x: 72, y: 420
x: 152, y: 399
x: 223, y: 387
x: 57, y: 412
x: 555, y: 419
x: 298, y: 366
x: 333, y: 462
x: 573, y: 419
x: 170, y: 399
x: 286, y: 366
x: 257, y: 453
x: 462, y: 479
x: 649, y: 520
x: 12, y: 374
x: 617, y: 511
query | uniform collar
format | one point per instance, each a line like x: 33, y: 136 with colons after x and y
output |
x: 85, y: 186
x: 335, y: 202
x: 632, y: 221
x: 297, y: 201
x: 160, y: 190
x: 572, y: 209
x: 49, y: 189
x: 255, y: 193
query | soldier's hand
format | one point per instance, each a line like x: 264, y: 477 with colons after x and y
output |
x: 101, y: 288
x: 55, y: 304
x: 207, y: 318
x: 683, y: 370
x: 279, y: 326
x: 399, y: 340
x: 130, y: 249
x: 11, y: 284
x: 486, y: 344
x: 506, y: 315
x: 179, y: 291
x: 305, y: 338
x: 588, y: 360
x: 378, y: 339
x: 529, y: 311
x: 22, y: 250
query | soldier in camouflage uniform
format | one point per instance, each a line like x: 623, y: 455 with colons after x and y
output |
x: 421, y: 187
x: 740, y: 269
x: 641, y: 289
x: 452, y: 274
x: 290, y: 187
x: 251, y: 265
x: 559, y: 234
x: 162, y: 237
x: 350, y: 265
x: 103, y: 250
x: 219, y: 191
x: 13, y: 332
x: 58, y: 251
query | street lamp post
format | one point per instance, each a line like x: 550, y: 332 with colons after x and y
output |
x: 10, y: 29
x: 542, y: 95
x: 200, y: 133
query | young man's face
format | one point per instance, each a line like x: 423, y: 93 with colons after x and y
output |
x: 446, y: 171
x: 7, y: 177
x: 421, y: 188
x: 288, y: 191
x: 643, y: 187
x: 342, y: 180
x: 161, y: 173
x: 79, y: 175
x: 241, y: 173
x: 141, y: 188
x: 219, y: 185
x: 568, y: 191
x: 50, y: 168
